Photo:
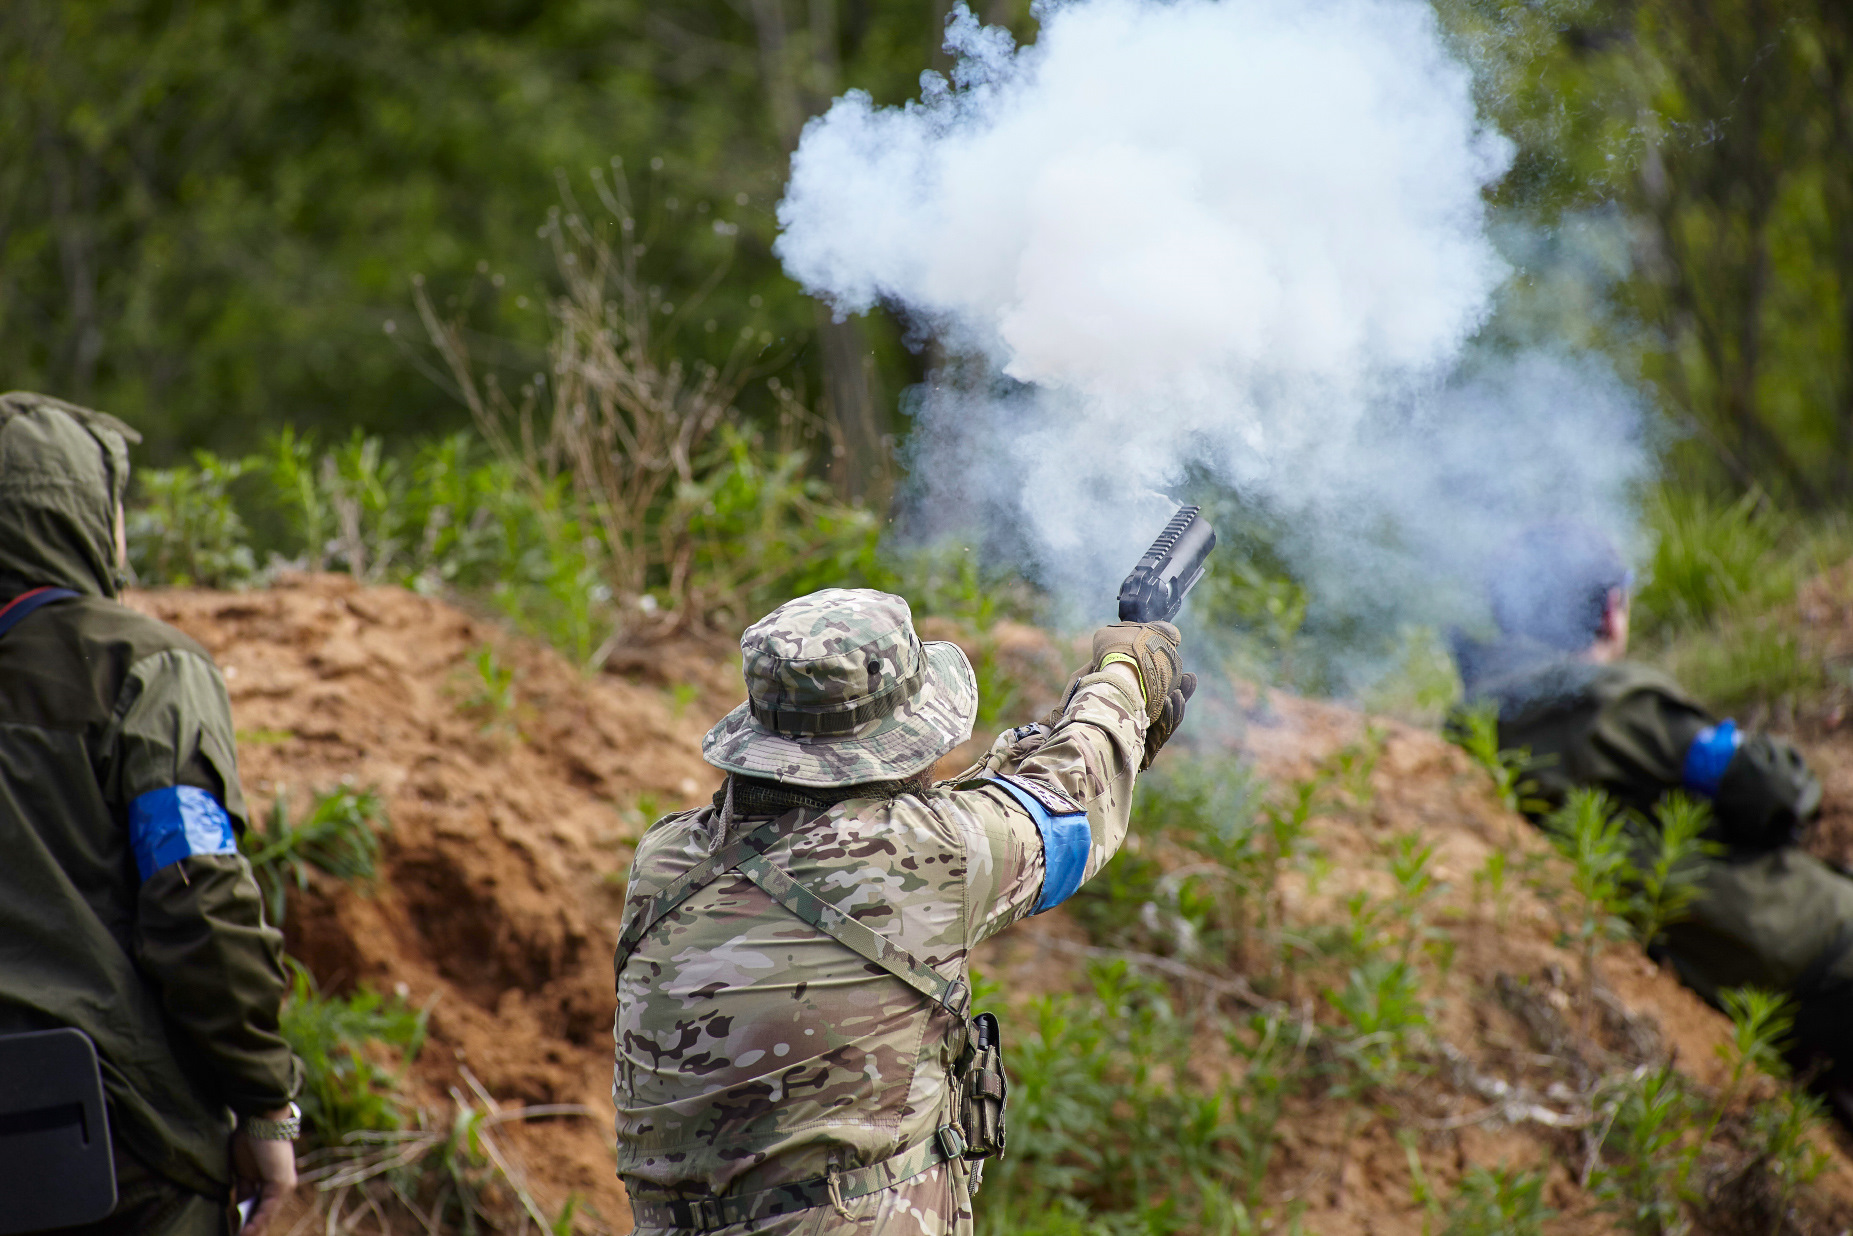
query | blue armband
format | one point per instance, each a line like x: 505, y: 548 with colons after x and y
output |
x: 168, y: 825
x: 1708, y: 756
x: 1066, y: 838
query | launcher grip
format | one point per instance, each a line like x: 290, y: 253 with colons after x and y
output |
x: 1156, y: 589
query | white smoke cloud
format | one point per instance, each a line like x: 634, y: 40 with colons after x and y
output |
x: 1241, y: 236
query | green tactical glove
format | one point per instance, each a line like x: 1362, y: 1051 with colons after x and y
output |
x: 1150, y: 649
x: 1767, y: 796
x: 1160, y: 730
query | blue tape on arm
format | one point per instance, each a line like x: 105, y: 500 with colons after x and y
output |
x: 1066, y: 840
x: 1709, y: 755
x: 178, y: 822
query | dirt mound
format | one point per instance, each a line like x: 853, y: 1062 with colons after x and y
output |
x: 514, y: 812
x: 1519, y: 1060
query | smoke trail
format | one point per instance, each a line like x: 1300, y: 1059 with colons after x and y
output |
x: 1244, y: 238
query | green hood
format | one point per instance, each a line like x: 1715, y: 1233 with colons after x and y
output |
x: 63, y: 469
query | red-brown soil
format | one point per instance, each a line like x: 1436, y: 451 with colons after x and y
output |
x: 502, y: 879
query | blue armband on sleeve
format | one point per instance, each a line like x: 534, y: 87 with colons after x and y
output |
x: 1708, y: 756
x: 170, y: 824
x: 1066, y: 838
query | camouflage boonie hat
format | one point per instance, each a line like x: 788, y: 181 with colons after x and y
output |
x: 839, y: 690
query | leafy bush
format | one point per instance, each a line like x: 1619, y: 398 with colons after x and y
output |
x: 624, y: 496
x: 185, y: 528
x: 1110, y: 1130
x: 1231, y: 842
x: 758, y: 529
x: 345, y: 1088
x: 748, y: 527
x: 340, y: 835
x: 683, y: 514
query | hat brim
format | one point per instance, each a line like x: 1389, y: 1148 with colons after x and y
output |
x: 907, y: 741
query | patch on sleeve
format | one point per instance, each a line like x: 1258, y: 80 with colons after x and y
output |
x: 1709, y: 755
x: 177, y: 822
x: 1066, y: 838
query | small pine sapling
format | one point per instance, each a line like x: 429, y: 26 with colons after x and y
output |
x: 1761, y: 1022
x: 1648, y: 1116
x: 1594, y: 837
x: 1669, y: 884
x: 1475, y: 730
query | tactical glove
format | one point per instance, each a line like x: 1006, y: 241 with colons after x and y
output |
x: 1159, y: 731
x: 1152, y: 648
x: 1767, y: 796
x: 1149, y: 648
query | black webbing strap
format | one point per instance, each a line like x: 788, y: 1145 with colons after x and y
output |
x: 26, y: 602
x: 807, y: 905
x: 701, y: 1214
x: 684, y: 886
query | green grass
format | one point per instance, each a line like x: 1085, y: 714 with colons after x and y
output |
x: 1715, y: 605
x: 1750, y: 661
x: 1498, y: 1202
x: 491, y: 696
x: 339, y: 836
x: 341, y: 1041
x: 1712, y: 556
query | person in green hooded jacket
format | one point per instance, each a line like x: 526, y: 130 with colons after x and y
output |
x: 1768, y: 915
x: 126, y: 910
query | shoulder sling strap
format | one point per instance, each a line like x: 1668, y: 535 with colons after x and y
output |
x: 26, y: 602
x: 747, y: 854
x: 686, y: 885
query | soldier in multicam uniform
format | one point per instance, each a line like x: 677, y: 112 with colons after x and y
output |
x: 796, y: 1051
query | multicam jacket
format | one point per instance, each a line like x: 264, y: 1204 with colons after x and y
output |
x: 753, y: 1050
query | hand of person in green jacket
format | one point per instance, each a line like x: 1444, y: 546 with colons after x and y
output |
x: 266, y: 1170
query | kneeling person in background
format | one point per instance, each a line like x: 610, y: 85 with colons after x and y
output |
x: 796, y: 1046
x: 1768, y: 915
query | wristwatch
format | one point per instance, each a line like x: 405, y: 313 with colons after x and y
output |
x: 259, y: 1129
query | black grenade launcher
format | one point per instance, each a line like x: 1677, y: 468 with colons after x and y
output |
x: 1156, y: 589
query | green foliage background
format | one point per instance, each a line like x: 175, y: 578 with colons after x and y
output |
x: 211, y: 210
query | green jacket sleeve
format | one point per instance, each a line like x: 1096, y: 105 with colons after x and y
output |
x: 200, y: 932
x: 1641, y: 737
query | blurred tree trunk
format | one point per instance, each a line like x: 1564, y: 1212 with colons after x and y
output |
x: 1836, y: 53
x: 801, y: 78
